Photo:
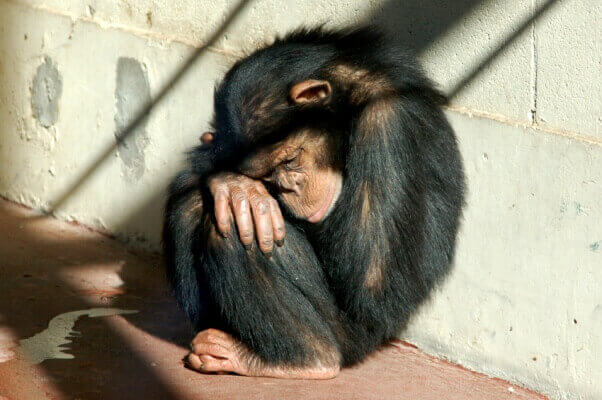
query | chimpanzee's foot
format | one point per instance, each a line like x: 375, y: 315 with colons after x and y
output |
x: 214, y: 351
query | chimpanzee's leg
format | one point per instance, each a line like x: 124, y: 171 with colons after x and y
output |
x: 278, y: 313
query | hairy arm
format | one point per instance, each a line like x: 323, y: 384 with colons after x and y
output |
x: 372, y: 242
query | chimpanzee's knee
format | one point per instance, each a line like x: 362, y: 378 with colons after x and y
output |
x: 281, y: 306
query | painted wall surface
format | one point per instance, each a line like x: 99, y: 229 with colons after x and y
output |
x: 525, y: 299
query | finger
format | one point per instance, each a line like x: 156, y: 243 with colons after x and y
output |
x: 242, y: 215
x: 277, y: 222
x: 263, y: 223
x: 276, y: 227
x: 217, y: 184
x: 207, y: 137
x: 212, y: 364
x: 222, y: 213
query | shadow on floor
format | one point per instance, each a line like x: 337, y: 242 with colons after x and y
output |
x: 48, y: 268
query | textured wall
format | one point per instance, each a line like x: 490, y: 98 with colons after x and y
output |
x: 525, y: 299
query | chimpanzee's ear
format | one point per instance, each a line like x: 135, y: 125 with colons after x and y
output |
x: 311, y: 91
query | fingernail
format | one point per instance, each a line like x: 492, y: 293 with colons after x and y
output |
x: 280, y: 242
x: 248, y: 246
x: 268, y: 254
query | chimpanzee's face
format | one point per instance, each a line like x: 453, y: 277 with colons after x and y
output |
x: 302, y: 171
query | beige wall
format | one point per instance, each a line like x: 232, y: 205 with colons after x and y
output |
x: 528, y: 119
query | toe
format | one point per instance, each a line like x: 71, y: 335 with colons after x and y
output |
x: 210, y: 335
x: 213, y: 364
x: 195, y: 361
x: 211, y: 349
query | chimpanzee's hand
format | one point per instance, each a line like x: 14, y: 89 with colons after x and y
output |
x: 253, y: 208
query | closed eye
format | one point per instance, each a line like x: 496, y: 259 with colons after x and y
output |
x: 290, y: 165
x: 291, y: 162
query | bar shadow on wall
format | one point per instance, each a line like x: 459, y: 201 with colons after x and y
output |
x: 26, y: 315
x: 414, y: 24
x: 143, y: 114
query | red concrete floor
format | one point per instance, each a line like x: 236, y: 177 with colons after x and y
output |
x: 49, y: 268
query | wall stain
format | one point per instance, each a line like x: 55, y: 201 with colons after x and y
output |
x: 594, y: 246
x: 45, y: 93
x: 132, y: 94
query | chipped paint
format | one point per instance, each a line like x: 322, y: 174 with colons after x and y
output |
x: 47, y: 345
x: 132, y: 94
x: 46, y: 91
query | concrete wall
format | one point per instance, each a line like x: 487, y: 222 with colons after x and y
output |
x: 524, y: 302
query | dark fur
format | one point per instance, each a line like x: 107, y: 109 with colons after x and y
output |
x: 336, y: 290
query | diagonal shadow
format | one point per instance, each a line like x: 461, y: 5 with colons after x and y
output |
x: 415, y: 24
x: 37, y: 266
x: 55, y: 295
x: 422, y: 22
x: 145, y: 112
x: 489, y: 58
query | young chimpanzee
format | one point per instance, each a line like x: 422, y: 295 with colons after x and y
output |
x: 345, y: 131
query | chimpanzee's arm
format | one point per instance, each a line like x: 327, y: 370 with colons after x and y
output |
x: 400, y: 203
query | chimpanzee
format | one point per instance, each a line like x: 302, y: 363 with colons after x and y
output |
x: 337, y: 140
